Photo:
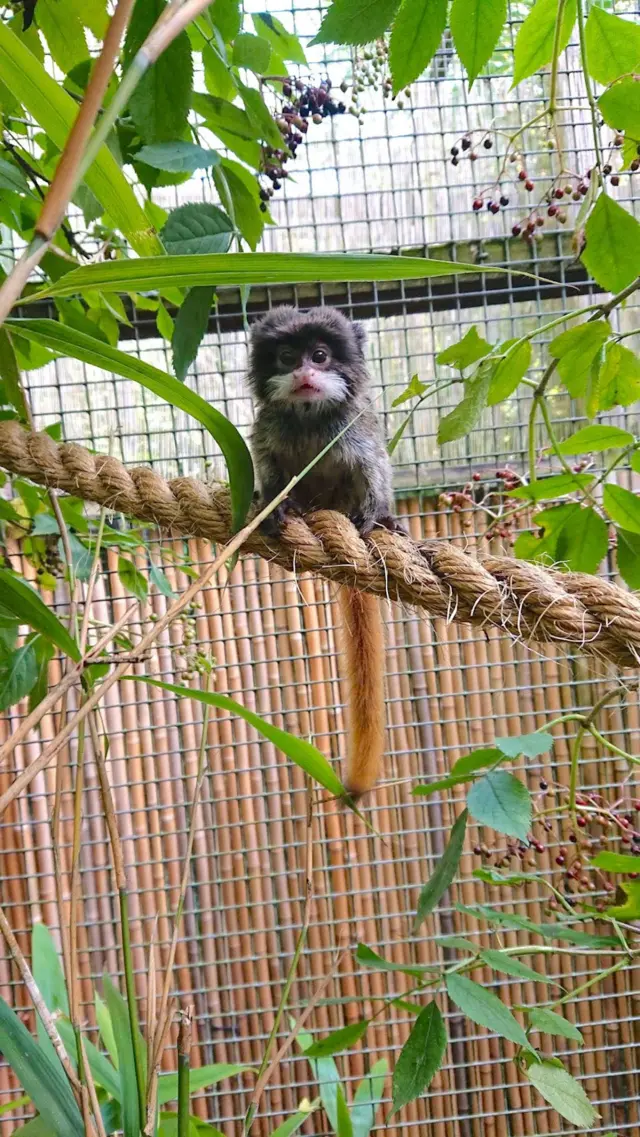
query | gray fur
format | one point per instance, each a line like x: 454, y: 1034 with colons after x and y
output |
x: 355, y: 476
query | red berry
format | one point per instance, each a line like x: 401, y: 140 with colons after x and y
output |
x: 583, y: 188
x: 495, y: 208
x: 558, y: 193
x: 476, y: 477
x: 552, y: 210
x: 560, y: 860
x: 477, y: 850
x: 615, y: 180
x: 528, y: 185
x: 477, y: 204
x: 473, y: 156
x: 522, y: 175
x: 582, y: 821
x: 516, y: 230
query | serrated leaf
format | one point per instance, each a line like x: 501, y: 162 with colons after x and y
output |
x: 416, y: 36
x: 23, y: 601
x: 550, y: 1023
x: 476, y: 26
x: 486, y: 1009
x: 10, y: 375
x: 619, y: 105
x: 367, y: 1098
x: 548, y: 489
x: 477, y: 760
x: 619, y: 377
x: 531, y: 745
x: 177, y: 157
x: 234, y: 180
x: 367, y: 957
x: 64, y: 35
x: 576, y: 350
x: 197, y: 227
x: 415, y: 388
x: 502, y: 802
x: 616, y: 862
x: 583, y: 543
x: 356, y: 21
x: 200, y: 1078
x: 507, y: 965
x: 218, y: 77
x: 44, y: 1081
x: 227, y: 18
x: 252, y: 52
x: 562, y: 1092
x: 285, y: 43
x: 461, y: 420
x: 612, y: 251
x: 420, y: 1057
x: 535, y: 41
x: 160, y: 104
x: 630, y: 909
x: 613, y: 45
x: 232, y: 126
x: 338, y: 1040
x: 444, y: 872
x: 468, y: 350
x: 190, y: 327
x: 595, y: 438
x: 622, y: 506
x: 509, y: 372
x: 132, y: 579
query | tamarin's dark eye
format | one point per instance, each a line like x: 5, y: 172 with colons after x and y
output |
x: 319, y: 355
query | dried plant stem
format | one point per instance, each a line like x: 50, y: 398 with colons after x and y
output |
x: 184, y: 1063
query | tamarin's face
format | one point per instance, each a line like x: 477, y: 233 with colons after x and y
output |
x: 306, y: 361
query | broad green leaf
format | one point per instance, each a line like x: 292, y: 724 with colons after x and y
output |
x: 218, y: 78
x: 503, y: 802
x: 414, y: 389
x: 227, y: 18
x: 189, y: 328
x: 552, y: 522
x: 367, y: 1098
x: 468, y: 350
x: 619, y: 379
x: 548, y: 1022
x: 21, y: 599
x: 457, y: 943
x: 563, y: 1093
x: 286, y: 44
x: 64, y: 35
x: 509, y: 372
x: 476, y: 26
x: 160, y: 104
x: 344, y: 1127
x: 444, y: 872
x: 44, y: 1081
x: 293, y: 1123
x: 476, y: 760
x: 622, y: 506
x: 233, y: 269
x: 548, y: 489
x: 260, y: 117
x: 252, y: 52
x: 103, y: 1019
x: 338, y: 1040
x: 420, y: 1057
x: 242, y: 188
x: 535, y: 41
x: 485, y: 1008
x: 10, y: 375
x: 494, y: 876
x: 197, y: 227
x: 595, y: 438
x: 462, y: 419
x: 118, y: 1010
x: 177, y: 157
x: 159, y: 578
x: 442, y: 784
x: 505, y: 963
x: 612, y: 250
x: 71, y: 343
x: 326, y: 1078
x: 417, y: 33
x: 576, y: 350
x: 132, y: 579
x: 298, y: 749
x: 104, y: 1073
x: 367, y: 957
x: 547, y: 931
x: 356, y: 21
x: 630, y: 909
x: 12, y: 177
x: 531, y: 745
x: 55, y: 111
x: 613, y: 45
x: 616, y: 862
x: 18, y: 675
x: 619, y: 105
x: 232, y: 126
x: 583, y: 543
x: 92, y: 14
x: 199, y: 1078
x: 49, y: 977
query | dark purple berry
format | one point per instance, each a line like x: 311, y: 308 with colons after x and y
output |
x: 516, y: 230
x: 552, y: 210
x: 263, y: 208
x: 495, y: 208
x: 544, y: 785
x: 455, y: 161
x: 504, y: 201
x: 454, y: 151
x: 466, y: 143
x: 558, y: 194
x: 528, y: 185
x: 487, y: 143
x: 606, y: 170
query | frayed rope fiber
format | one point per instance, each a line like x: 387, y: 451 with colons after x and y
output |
x: 523, y: 600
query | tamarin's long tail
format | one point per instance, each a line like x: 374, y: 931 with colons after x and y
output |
x: 363, y: 652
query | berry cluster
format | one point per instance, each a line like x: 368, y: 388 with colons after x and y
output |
x: 302, y: 104
x: 370, y: 70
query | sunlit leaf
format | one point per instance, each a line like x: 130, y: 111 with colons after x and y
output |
x: 21, y: 599
x: 468, y: 350
x: 612, y: 250
x: 613, y: 45
x: 476, y: 26
x: 591, y: 439
x: 502, y: 802
x: 43, y: 1079
x: 531, y: 745
x: 622, y: 506
x: 416, y: 36
x: 535, y: 39
x: 159, y: 105
x: 338, y: 1040
x: 356, y: 21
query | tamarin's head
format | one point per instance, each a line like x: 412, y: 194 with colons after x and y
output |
x: 306, y: 361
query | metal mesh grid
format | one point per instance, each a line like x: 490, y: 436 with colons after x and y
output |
x: 385, y: 187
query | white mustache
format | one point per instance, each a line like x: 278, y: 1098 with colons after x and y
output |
x: 330, y: 387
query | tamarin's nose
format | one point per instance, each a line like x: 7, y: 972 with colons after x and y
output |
x: 303, y: 376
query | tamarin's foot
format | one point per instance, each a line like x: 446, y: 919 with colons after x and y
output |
x: 272, y: 524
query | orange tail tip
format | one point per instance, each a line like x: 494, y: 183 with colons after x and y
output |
x: 363, y: 654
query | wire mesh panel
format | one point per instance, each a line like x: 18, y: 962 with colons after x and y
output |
x: 385, y: 185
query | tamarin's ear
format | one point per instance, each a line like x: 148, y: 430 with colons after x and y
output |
x: 360, y: 338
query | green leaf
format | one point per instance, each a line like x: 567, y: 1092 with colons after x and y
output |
x: 417, y: 33
x: 616, y: 862
x: 476, y: 26
x: 64, y: 35
x: 286, y: 44
x: 548, y: 1022
x: 535, y: 41
x: 486, y: 1009
x: 503, y: 802
x: 103, y: 1019
x: 298, y: 749
x: 252, y: 52
x: 622, y: 506
x: 326, y: 1076
x: 548, y: 489
x: 613, y: 45
x: 49, y: 977
x: 595, y: 438
x: 260, y: 117
x: 505, y: 963
x: 338, y: 1040
x: 55, y: 111
x: 199, y: 1078
x: 441, y: 784
x: 293, y: 1123
x: 461, y: 420
x: 612, y: 251
x: 164, y: 323
x: 44, y: 1081
x: 189, y: 328
x: 367, y: 957
x: 619, y: 377
x: 132, y: 579
x: 356, y: 21
x: 160, y: 104
x: 104, y: 1073
x: 12, y: 177
x: 218, y: 78
x: 159, y: 578
x: 415, y: 388
x: 468, y: 350
x: 227, y: 18
x: 69, y: 342
x: 367, y: 1098
x: 10, y: 375
x: 344, y: 1127
x: 444, y: 872
x: 493, y: 876
x: 509, y: 372
x: 197, y: 227
x: 420, y: 1057
x: 531, y: 745
x: 620, y: 105
x: 21, y: 599
x: 177, y: 157
x: 584, y: 543
x: 234, y: 180
x: 576, y: 350
x: 563, y: 1093
x: 232, y: 126
x: 476, y: 760
x: 630, y: 909
x: 119, y: 1013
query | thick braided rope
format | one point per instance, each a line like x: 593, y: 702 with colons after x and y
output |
x: 524, y: 600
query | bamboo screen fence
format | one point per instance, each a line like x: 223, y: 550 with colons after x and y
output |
x: 272, y: 637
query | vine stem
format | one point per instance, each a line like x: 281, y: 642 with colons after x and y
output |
x: 577, y: 742
x: 589, y: 89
